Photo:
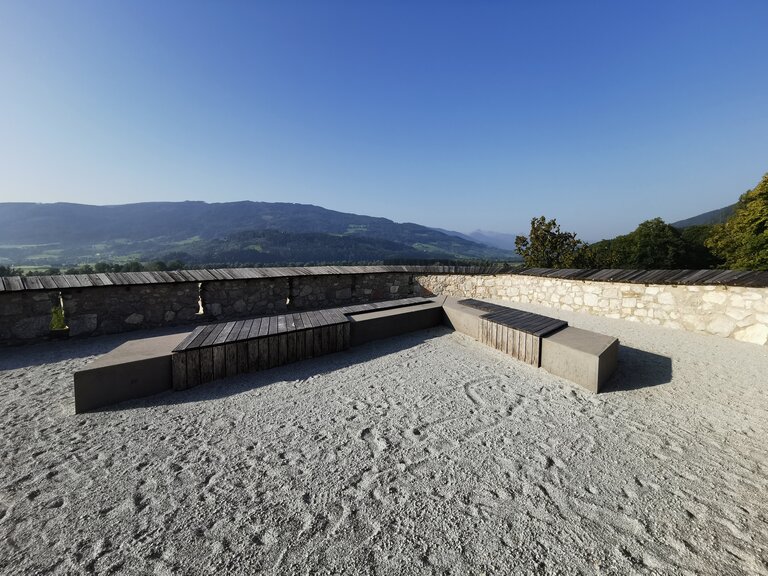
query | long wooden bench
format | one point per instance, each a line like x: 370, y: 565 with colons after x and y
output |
x: 216, y: 351
x: 512, y: 331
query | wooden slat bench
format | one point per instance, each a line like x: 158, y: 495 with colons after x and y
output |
x: 512, y: 331
x: 216, y: 351
x: 581, y: 356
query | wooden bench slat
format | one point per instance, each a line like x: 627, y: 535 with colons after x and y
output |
x: 230, y: 349
x: 245, y: 329
x: 311, y: 318
x: 193, y: 368
x: 517, y: 319
x: 206, y: 365
x: 219, y: 362
x: 191, y: 337
x: 235, y: 332
x: 222, y: 337
x: 217, y: 328
x: 264, y: 327
x: 253, y: 332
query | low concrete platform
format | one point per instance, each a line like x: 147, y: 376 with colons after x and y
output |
x: 462, y: 318
x: 368, y: 326
x: 135, y: 369
x: 144, y: 367
x: 581, y: 356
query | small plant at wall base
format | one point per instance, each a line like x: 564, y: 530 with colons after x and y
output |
x: 58, y: 325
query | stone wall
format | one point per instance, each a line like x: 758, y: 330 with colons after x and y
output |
x: 25, y: 315
x: 308, y: 292
x: 729, y: 311
x: 113, y: 309
x: 231, y: 299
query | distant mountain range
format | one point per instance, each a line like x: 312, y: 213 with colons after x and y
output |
x: 712, y: 217
x: 495, y: 239
x: 232, y: 233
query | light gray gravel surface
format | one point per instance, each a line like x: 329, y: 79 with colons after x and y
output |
x: 425, y: 454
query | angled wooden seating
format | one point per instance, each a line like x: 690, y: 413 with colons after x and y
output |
x: 216, y: 351
x: 512, y: 331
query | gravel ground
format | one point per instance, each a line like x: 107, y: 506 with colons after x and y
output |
x: 425, y: 454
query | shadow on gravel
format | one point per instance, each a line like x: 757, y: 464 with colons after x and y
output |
x: 296, y: 372
x: 639, y: 369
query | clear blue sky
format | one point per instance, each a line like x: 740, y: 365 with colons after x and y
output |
x: 463, y: 115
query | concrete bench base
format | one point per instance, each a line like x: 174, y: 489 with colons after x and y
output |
x: 581, y: 356
x: 144, y: 367
x: 369, y: 326
x: 135, y: 369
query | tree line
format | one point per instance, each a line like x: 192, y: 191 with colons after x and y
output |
x: 740, y: 243
x: 98, y: 268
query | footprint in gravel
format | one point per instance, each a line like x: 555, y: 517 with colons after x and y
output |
x: 629, y: 493
x: 473, y: 396
x: 375, y: 443
x: 266, y: 538
x: 56, y: 502
x: 140, y: 502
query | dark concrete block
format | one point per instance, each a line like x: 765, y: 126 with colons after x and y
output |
x: 462, y: 318
x: 370, y: 326
x: 134, y: 369
x: 584, y: 357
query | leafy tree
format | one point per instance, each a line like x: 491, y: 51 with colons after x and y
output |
x: 101, y: 267
x: 742, y: 241
x: 133, y: 266
x: 656, y: 244
x: 8, y: 271
x: 698, y: 255
x: 548, y: 247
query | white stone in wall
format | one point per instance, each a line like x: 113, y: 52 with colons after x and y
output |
x: 755, y: 334
x: 718, y: 297
x: 721, y: 326
x: 736, y: 300
x: 590, y: 299
x: 666, y: 298
x: 752, y: 296
x: 737, y: 313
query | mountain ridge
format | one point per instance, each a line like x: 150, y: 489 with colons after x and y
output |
x: 717, y: 216
x: 199, y: 232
